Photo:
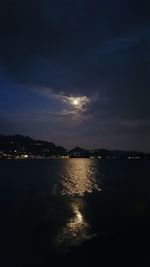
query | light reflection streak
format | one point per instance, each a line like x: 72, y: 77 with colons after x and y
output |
x: 76, y: 230
x: 78, y: 179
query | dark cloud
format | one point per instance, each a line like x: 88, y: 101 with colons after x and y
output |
x: 73, y: 36
x: 6, y: 125
x: 25, y: 36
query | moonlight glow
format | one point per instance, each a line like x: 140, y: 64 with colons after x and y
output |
x: 79, y: 103
x: 73, y: 105
x: 76, y: 102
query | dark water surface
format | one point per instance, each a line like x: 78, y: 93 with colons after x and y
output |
x: 74, y: 212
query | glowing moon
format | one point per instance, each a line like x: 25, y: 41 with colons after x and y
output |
x: 79, y: 104
x: 75, y: 102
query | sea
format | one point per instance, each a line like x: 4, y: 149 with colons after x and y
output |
x: 75, y: 212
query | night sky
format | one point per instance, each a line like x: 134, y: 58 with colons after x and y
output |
x: 76, y: 72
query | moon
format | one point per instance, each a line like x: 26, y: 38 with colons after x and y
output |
x: 78, y: 103
x: 75, y: 102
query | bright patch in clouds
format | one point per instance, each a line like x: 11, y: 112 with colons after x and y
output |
x: 79, y: 103
x: 75, y: 105
x: 75, y: 102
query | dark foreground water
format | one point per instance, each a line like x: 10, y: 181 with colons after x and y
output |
x: 76, y: 212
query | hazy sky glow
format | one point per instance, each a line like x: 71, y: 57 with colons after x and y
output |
x: 76, y: 72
